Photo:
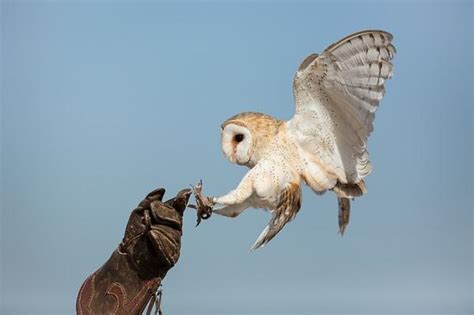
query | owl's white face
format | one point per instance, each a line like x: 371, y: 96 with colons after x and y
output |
x: 237, y: 143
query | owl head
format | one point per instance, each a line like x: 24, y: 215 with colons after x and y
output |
x: 245, y: 136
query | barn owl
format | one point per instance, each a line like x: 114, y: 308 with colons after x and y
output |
x: 324, y: 145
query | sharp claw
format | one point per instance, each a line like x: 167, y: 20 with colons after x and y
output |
x: 203, y: 204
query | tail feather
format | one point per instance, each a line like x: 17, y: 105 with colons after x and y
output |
x: 344, y: 213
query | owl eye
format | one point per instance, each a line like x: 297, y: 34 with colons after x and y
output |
x: 239, y: 137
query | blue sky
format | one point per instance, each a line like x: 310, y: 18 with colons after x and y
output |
x: 103, y: 102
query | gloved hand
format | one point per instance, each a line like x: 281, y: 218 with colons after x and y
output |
x: 153, y: 234
x: 150, y: 247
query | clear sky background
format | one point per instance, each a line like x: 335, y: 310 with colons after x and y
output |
x: 103, y: 102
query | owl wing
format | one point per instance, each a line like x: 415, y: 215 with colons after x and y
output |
x: 336, y: 95
x: 288, y: 205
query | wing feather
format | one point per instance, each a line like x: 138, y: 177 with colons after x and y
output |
x: 336, y: 96
x: 288, y: 206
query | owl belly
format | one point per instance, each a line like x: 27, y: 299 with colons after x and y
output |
x: 314, y: 174
x: 267, y: 188
x: 270, y: 178
x: 267, y: 204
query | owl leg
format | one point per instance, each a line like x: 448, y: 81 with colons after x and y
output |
x: 239, y: 195
x: 344, y: 213
x: 232, y: 211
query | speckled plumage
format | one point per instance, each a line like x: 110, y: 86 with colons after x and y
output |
x: 324, y: 145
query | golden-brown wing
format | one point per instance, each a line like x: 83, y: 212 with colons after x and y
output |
x: 288, y: 205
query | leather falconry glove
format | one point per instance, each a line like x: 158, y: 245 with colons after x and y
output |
x: 127, y: 282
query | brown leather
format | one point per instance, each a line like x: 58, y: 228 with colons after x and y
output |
x: 150, y: 247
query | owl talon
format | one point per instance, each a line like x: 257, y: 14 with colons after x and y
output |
x: 203, y: 205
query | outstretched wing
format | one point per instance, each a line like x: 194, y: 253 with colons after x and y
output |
x: 288, y: 205
x: 336, y: 96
